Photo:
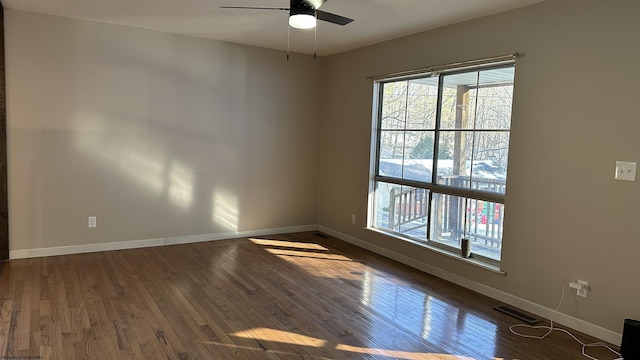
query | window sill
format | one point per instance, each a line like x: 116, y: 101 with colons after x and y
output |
x: 449, y: 254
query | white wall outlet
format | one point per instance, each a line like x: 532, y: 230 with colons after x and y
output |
x: 626, y: 170
x: 93, y: 221
x: 584, y: 288
x: 581, y: 286
x: 353, y: 218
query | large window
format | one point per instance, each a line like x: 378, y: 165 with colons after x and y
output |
x: 442, y: 145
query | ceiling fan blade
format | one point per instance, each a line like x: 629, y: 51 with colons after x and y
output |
x: 332, y: 18
x: 254, y: 8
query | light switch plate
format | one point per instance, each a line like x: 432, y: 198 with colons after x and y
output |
x: 626, y: 170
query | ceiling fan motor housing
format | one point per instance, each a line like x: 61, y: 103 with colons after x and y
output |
x: 302, y: 8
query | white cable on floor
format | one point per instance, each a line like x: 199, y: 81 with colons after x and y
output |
x: 550, y: 328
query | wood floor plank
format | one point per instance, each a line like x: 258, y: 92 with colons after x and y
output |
x: 5, y: 323
x: 287, y: 296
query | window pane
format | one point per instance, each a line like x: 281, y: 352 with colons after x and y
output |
x: 392, y: 147
x: 447, y: 219
x: 406, y: 155
x: 394, y: 105
x: 482, y: 224
x: 422, y: 104
x: 401, y: 209
x: 381, y: 204
x: 490, y: 161
x: 494, y: 99
x: 458, y: 95
x: 418, y: 155
x: 454, y: 161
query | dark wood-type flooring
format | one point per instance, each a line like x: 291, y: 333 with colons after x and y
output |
x: 292, y: 296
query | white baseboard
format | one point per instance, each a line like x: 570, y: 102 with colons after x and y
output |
x: 537, y: 309
x: 135, y: 244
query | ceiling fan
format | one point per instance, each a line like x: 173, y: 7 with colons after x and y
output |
x: 303, y: 13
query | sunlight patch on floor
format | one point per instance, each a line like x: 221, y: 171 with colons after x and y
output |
x: 280, y: 336
x: 288, y: 244
x: 286, y: 337
x: 311, y: 257
x: 308, y: 254
x: 400, y: 354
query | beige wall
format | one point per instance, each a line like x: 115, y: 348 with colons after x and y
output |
x: 575, y: 114
x: 158, y: 135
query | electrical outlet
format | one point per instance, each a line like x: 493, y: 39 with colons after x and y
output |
x: 353, y: 218
x: 626, y: 170
x: 582, y: 287
x: 92, y: 221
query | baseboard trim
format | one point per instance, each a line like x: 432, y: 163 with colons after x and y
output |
x: 136, y: 244
x: 537, y: 309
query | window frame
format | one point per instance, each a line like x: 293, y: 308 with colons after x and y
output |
x: 432, y: 187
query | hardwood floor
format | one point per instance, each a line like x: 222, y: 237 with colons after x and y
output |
x: 288, y: 296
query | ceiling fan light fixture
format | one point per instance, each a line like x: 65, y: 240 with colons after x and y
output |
x: 302, y: 21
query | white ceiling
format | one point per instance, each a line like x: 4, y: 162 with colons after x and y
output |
x: 375, y: 20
